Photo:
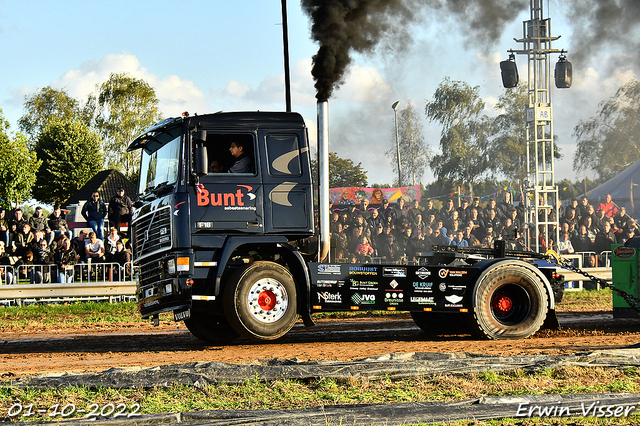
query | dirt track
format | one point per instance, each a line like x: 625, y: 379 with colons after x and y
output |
x: 96, y: 349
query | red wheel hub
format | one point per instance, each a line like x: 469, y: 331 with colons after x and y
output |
x: 502, y: 304
x: 266, y: 300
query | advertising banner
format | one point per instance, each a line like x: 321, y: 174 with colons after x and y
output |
x: 354, y: 195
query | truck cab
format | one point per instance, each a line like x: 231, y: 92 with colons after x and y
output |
x: 199, y: 226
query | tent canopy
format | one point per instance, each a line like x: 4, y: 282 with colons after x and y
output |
x: 623, y: 188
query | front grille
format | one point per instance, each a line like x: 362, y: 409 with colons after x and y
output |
x: 149, y: 273
x: 152, y: 233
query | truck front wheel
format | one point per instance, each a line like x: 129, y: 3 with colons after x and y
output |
x: 260, y: 301
x: 511, y: 303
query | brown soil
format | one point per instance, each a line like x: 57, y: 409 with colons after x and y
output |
x: 33, y: 351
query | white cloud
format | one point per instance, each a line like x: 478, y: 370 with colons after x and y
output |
x: 80, y: 82
x: 174, y: 93
x: 490, y: 60
x: 235, y: 88
x: 364, y: 85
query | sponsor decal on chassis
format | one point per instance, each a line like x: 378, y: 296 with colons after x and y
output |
x: 423, y: 300
x: 363, y: 285
x: 394, y: 272
x: 328, y: 283
x: 423, y: 287
x: 363, y: 270
x: 363, y: 299
x: 423, y: 273
x: 393, y: 298
x: 328, y: 269
x: 328, y: 297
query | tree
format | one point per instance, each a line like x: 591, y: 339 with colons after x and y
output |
x: 464, y: 139
x: 342, y: 172
x: 42, y: 106
x: 70, y: 155
x: 414, y: 151
x: 124, y: 106
x: 18, y: 166
x: 509, y: 144
x: 608, y: 143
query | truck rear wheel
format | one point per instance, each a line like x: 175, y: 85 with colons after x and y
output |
x: 511, y: 303
x: 211, y: 328
x: 260, y: 301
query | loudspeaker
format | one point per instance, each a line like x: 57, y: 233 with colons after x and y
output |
x: 509, y: 72
x: 563, y: 73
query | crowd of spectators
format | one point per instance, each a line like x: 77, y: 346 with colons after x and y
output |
x: 389, y: 234
x: 42, y: 249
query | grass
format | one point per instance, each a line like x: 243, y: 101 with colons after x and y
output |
x: 586, y: 300
x: 255, y: 394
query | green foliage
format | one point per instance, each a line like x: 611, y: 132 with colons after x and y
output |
x: 124, y: 107
x: 608, y: 142
x: 342, y: 172
x: 509, y: 144
x: 414, y: 151
x: 18, y: 166
x: 70, y: 153
x: 464, y: 140
x: 454, y: 102
x: 44, y: 105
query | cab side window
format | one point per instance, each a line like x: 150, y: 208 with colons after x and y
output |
x: 231, y: 153
x: 284, y: 155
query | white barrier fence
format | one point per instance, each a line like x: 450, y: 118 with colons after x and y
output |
x: 84, y: 281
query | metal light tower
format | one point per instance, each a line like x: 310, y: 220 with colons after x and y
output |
x: 395, y: 111
x: 541, y: 192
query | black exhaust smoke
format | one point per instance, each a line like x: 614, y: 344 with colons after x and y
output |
x: 340, y: 26
x: 344, y: 25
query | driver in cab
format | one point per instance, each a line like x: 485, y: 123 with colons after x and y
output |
x: 242, y: 161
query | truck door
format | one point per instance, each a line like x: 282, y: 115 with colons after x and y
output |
x: 286, y: 178
x: 226, y: 201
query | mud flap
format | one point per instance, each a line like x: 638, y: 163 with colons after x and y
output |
x: 306, y: 318
x: 551, y: 321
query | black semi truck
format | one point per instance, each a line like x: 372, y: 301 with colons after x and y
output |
x: 239, y: 254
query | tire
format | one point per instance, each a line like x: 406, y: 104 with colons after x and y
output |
x: 436, y: 323
x: 260, y: 301
x: 211, y: 328
x: 511, y: 303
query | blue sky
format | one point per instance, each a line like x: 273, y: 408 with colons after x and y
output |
x: 207, y: 56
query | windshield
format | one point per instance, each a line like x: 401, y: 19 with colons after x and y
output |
x: 159, y: 167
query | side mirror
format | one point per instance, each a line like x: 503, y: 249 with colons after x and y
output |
x: 200, y: 136
x: 201, y: 161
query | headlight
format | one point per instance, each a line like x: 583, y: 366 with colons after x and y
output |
x: 171, y: 266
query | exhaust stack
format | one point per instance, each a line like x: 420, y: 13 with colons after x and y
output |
x: 323, y: 177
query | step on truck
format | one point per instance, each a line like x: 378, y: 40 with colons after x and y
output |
x: 239, y: 254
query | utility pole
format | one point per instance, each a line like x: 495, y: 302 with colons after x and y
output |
x: 541, y: 192
x: 395, y: 112
x: 285, y: 48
